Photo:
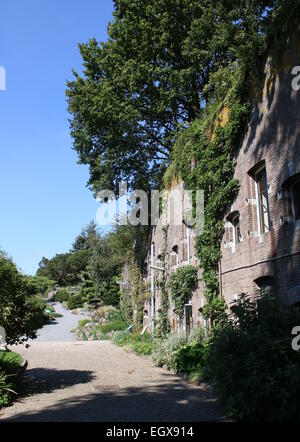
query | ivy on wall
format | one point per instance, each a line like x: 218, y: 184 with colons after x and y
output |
x: 213, y: 141
x: 162, y: 323
x: 181, y: 284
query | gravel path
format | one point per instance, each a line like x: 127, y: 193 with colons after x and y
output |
x: 97, y: 381
x: 60, y: 329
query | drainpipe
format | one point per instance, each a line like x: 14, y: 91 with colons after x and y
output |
x: 220, y: 280
x: 188, y: 244
x: 152, y: 288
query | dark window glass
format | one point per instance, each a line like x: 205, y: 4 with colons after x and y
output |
x: 263, y: 201
x: 296, y: 200
x: 237, y: 229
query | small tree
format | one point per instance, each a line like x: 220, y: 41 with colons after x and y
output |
x: 16, y: 316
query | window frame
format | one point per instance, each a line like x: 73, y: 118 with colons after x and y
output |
x: 260, y: 221
x: 237, y: 239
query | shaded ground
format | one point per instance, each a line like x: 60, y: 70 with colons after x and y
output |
x: 97, y: 381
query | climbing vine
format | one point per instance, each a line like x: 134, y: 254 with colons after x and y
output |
x: 162, y: 323
x: 212, y: 141
x: 181, y: 284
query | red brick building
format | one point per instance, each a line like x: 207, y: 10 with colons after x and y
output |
x: 261, y: 247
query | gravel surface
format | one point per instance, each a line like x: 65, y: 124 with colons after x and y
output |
x: 60, y: 329
x: 97, y: 381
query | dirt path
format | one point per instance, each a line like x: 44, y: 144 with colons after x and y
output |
x: 97, y: 381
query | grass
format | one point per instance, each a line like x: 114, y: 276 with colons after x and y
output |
x: 141, y: 345
x: 113, y: 326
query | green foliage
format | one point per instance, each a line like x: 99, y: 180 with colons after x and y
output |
x: 37, y: 317
x: 181, y: 284
x: 251, y: 362
x: 190, y: 358
x: 85, y: 238
x: 64, y: 269
x: 113, y: 326
x: 62, y: 296
x: 163, y: 352
x: 121, y: 338
x: 142, y: 348
x: 109, y: 293
x: 141, y: 345
x: 6, y: 389
x: 39, y: 285
x: 75, y: 301
x: 10, y: 362
x: 20, y: 314
x: 150, y: 78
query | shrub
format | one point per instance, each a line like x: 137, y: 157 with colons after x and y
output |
x: 164, y: 349
x: 142, y: 348
x: 9, y: 364
x: 83, y: 322
x: 113, y: 326
x: 190, y: 359
x: 62, y: 296
x: 121, y: 338
x: 255, y: 372
x: 75, y: 301
x: 6, y: 389
x: 18, y: 312
x: 104, y: 313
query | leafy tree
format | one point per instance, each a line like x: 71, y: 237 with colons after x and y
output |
x: 64, y: 268
x: 38, y: 284
x: 150, y: 78
x: 18, y: 312
x: 84, y: 239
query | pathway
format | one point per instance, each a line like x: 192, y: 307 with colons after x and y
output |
x: 60, y: 329
x: 97, y: 381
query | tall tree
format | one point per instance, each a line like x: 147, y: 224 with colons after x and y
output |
x: 149, y: 79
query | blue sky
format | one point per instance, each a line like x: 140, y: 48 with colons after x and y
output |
x: 44, y: 201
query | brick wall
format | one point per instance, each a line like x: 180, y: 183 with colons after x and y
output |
x: 272, y: 139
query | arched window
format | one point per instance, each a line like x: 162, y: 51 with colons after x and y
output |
x: 233, y: 234
x: 265, y: 284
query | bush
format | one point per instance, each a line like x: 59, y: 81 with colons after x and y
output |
x: 163, y: 353
x: 121, y: 338
x: 113, y: 326
x: 9, y: 365
x: 62, y: 296
x: 255, y: 372
x: 191, y: 359
x: 104, y: 313
x: 6, y: 389
x: 142, y: 348
x: 75, y: 301
x: 18, y: 313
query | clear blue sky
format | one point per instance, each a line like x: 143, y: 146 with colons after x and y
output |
x: 43, y: 196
